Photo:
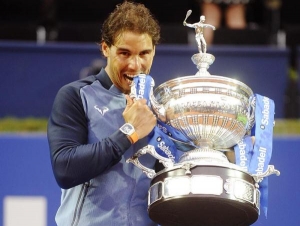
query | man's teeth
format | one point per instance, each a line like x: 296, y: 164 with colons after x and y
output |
x: 129, y: 77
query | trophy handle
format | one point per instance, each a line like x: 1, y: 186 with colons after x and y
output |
x: 150, y: 150
x: 270, y: 170
x: 157, y: 108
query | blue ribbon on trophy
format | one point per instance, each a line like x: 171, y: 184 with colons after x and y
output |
x: 141, y: 88
x: 181, y: 142
x: 166, y: 140
x: 255, y: 157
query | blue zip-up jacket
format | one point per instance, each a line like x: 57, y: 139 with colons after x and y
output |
x: 89, y: 153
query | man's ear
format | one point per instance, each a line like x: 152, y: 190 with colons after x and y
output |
x: 105, y: 49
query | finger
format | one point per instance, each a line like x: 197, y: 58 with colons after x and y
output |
x: 142, y: 101
x: 129, y: 101
x: 132, y: 95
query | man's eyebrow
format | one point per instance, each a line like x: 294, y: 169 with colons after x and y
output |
x: 121, y: 48
x: 125, y: 49
x: 148, y: 50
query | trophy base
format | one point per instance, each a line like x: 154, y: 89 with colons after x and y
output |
x: 202, y: 211
x: 203, y: 195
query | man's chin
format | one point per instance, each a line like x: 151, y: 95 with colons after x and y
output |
x: 127, y: 91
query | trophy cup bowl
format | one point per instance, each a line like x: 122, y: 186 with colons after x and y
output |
x: 212, y: 111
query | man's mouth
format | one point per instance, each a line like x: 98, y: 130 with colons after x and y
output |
x: 129, y: 77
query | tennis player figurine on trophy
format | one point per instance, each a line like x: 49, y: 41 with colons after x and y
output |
x: 203, y: 60
x: 199, y: 30
x: 201, y: 118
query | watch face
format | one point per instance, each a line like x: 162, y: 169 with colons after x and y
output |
x: 127, y: 129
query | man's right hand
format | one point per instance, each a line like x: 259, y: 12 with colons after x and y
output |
x: 138, y: 114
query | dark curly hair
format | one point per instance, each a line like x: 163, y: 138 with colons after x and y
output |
x: 130, y: 16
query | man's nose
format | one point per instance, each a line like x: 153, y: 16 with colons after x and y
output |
x: 135, y: 62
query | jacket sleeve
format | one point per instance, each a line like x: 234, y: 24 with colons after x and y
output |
x: 73, y: 160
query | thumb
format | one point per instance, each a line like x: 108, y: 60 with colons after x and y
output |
x: 129, y: 101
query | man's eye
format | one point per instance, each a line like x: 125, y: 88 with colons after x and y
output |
x: 145, y: 53
x: 124, y: 53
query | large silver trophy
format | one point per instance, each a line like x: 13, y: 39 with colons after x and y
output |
x: 204, y: 188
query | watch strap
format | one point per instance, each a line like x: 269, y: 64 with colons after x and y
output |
x: 133, y: 137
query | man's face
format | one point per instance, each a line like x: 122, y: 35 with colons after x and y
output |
x: 130, y: 55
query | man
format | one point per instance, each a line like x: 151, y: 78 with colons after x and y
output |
x: 95, y: 127
x: 199, y: 29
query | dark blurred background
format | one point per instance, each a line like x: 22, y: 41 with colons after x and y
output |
x: 269, y: 22
x: 80, y: 21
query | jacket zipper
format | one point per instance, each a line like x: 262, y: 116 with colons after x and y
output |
x: 79, y: 204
